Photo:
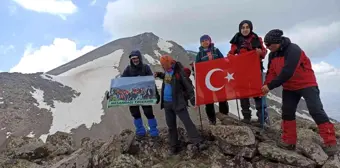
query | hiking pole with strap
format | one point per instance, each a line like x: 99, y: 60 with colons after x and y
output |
x: 238, y: 110
x: 263, y: 99
x: 199, y: 113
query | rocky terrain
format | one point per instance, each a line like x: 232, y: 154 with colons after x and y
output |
x: 57, y: 119
x: 231, y: 144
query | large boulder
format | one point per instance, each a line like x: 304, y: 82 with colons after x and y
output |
x: 234, y: 135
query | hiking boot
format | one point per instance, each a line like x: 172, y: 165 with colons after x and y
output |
x: 331, y: 150
x: 212, y: 122
x: 201, y: 146
x: 284, y: 145
x: 140, y: 137
x: 156, y: 141
x: 246, y: 120
x: 174, y: 151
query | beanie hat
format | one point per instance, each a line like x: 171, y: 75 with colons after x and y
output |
x: 250, y: 24
x: 166, y: 60
x: 205, y: 37
x: 273, y: 36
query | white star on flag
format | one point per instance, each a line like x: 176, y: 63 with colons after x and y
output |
x: 229, y: 76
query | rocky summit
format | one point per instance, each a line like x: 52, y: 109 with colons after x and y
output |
x: 231, y: 144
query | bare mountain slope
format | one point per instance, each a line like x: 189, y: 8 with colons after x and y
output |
x: 70, y: 98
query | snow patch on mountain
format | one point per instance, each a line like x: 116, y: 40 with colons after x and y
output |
x: 91, y: 80
x: 151, y: 60
x: 39, y: 96
x: 274, y: 97
x: 2, y: 100
x: 164, y: 45
x: 157, y: 53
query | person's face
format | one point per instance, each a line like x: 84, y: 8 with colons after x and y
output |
x: 245, y: 29
x: 135, y: 60
x: 272, y: 47
x: 166, y: 66
x: 205, y: 43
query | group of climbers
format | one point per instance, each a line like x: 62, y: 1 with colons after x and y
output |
x: 288, y: 67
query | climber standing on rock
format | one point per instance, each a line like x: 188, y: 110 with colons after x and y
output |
x: 290, y: 67
x: 207, y: 52
x: 246, y: 40
x: 176, y: 90
x: 138, y: 68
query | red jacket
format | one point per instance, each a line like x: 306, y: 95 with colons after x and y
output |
x: 254, y: 40
x: 289, y: 67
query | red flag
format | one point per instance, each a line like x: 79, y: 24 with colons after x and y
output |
x: 228, y: 78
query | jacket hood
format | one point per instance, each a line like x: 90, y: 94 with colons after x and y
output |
x: 136, y: 53
x: 285, y: 42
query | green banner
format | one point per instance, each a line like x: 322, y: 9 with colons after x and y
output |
x: 131, y: 91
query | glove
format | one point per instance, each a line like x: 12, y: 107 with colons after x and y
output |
x: 192, y: 101
x: 107, y: 94
x: 158, y: 98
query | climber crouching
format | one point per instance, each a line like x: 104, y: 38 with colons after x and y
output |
x: 175, y: 87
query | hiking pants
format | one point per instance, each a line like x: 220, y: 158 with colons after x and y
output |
x: 135, y: 112
x: 246, y: 112
x: 210, y: 110
x: 171, y: 121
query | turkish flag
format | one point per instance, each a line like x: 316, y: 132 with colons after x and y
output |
x: 233, y: 77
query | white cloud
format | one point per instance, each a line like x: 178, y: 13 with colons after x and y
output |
x: 50, y: 56
x: 6, y: 49
x: 185, y: 21
x: 93, y: 2
x: 328, y: 77
x: 55, y: 7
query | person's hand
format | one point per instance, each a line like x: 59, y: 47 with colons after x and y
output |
x: 155, y: 74
x: 192, y: 101
x: 265, y: 89
x: 259, y: 51
x: 158, y: 98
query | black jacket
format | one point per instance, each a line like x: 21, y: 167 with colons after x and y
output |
x: 181, y: 88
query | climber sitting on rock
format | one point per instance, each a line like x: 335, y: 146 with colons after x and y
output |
x: 173, y: 100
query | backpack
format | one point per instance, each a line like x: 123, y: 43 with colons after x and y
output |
x: 214, y: 51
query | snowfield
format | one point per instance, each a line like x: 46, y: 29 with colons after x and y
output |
x: 87, y: 108
x: 164, y: 45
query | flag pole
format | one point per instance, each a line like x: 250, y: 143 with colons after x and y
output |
x: 238, y: 110
x: 199, y: 113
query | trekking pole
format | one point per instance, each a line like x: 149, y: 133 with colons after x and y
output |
x: 263, y: 99
x: 199, y: 113
x: 238, y: 110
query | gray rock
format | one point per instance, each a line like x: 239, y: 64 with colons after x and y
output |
x: 19, y: 163
x: 271, y: 151
x: 79, y: 158
x: 332, y: 162
x: 60, y: 143
x: 268, y: 164
x: 124, y: 161
x: 234, y: 135
x: 313, y: 151
x: 25, y: 148
x: 236, y: 162
x: 245, y: 151
x: 309, y: 134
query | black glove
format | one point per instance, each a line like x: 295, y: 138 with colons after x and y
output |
x: 158, y: 98
x: 107, y: 94
x: 192, y: 101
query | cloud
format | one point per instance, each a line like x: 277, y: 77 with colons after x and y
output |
x: 328, y: 77
x: 315, y: 28
x: 48, y: 57
x: 6, y: 49
x: 93, y: 2
x: 55, y: 7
